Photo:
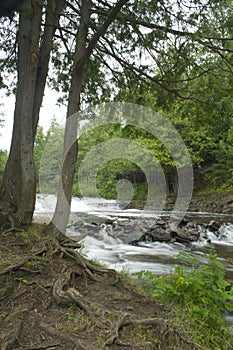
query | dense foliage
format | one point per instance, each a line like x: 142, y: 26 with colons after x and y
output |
x: 199, y: 294
x: 172, y: 56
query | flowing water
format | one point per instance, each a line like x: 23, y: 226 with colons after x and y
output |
x: 154, y: 256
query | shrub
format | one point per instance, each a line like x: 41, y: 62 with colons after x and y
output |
x: 201, y: 292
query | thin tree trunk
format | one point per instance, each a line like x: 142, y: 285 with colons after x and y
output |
x: 53, y: 12
x: 62, y: 211
x: 82, y: 55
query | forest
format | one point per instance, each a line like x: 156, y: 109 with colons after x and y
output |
x: 147, y: 87
x: 185, y: 77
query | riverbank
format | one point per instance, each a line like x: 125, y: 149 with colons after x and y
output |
x: 212, y: 202
x: 54, y: 298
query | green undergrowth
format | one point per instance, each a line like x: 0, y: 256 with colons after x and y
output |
x: 197, y: 293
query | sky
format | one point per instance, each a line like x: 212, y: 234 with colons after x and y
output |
x: 48, y: 111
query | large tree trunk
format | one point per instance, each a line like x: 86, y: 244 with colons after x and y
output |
x: 19, y: 178
x: 82, y: 54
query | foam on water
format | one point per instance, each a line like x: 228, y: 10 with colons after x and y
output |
x: 112, y: 252
x: 46, y: 203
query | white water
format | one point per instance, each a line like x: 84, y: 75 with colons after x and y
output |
x: 154, y: 256
x: 157, y: 257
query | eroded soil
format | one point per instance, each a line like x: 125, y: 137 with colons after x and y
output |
x: 51, y: 297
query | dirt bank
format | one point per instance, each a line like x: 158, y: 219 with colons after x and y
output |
x: 53, y: 298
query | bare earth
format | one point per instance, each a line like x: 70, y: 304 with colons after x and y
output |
x: 51, y: 297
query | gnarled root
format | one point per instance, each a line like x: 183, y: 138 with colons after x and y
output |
x: 91, y: 270
x: 65, y: 295
x: 126, y: 320
x: 9, y: 219
x: 20, y: 263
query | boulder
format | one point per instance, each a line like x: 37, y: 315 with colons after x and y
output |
x: 160, y: 234
x: 214, y: 225
x: 183, y: 234
x: 131, y: 237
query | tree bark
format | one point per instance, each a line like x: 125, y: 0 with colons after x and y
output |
x: 62, y: 211
x: 70, y: 151
x: 53, y: 12
x: 19, y: 178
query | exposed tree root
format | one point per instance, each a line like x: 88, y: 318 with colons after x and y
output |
x: 79, y: 345
x: 20, y: 263
x: 46, y: 345
x: 15, y: 266
x: 11, y: 220
x: 65, y: 295
x: 89, y: 268
x: 76, y: 283
x: 9, y: 338
x: 126, y: 320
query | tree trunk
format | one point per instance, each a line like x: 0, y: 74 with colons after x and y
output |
x: 82, y: 55
x: 53, y: 12
x: 19, y: 178
x: 62, y: 211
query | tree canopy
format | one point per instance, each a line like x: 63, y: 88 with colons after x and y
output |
x: 167, y: 55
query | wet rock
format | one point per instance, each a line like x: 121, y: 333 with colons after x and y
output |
x: 91, y: 228
x: 160, y: 234
x: 183, y: 223
x: 183, y: 234
x: 132, y: 237
x: 194, y: 236
x: 214, y: 225
x: 133, y: 231
x: 161, y: 222
x: 109, y: 221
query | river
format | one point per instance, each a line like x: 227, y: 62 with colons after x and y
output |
x: 155, y: 256
x: 158, y: 257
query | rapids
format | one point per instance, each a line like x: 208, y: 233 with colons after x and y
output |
x: 158, y: 257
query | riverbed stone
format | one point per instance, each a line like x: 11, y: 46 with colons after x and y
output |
x: 132, y: 237
x: 160, y: 234
x: 214, y: 225
x: 161, y: 222
x: 133, y: 231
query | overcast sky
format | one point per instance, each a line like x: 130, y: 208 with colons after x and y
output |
x: 48, y: 111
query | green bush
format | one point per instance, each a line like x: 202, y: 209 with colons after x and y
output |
x: 199, y: 293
